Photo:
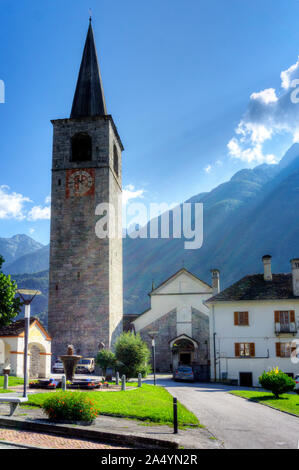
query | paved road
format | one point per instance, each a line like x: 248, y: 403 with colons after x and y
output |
x: 240, y: 424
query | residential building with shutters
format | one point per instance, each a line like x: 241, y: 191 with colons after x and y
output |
x: 254, y: 326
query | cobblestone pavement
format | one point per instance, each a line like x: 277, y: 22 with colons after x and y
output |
x: 49, y: 441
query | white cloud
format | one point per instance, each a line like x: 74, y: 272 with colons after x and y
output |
x: 266, y: 96
x: 31, y: 231
x: 288, y: 75
x: 48, y: 200
x: 208, y: 168
x: 39, y: 213
x: 12, y: 204
x: 130, y: 192
x: 269, y: 112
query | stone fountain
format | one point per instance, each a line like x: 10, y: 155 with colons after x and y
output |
x: 69, y: 362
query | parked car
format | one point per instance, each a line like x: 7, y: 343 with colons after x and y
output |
x: 58, y: 367
x: 184, y: 373
x: 297, y: 383
x: 86, y: 365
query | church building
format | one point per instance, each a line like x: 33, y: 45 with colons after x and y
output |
x: 85, y: 287
x: 178, y: 320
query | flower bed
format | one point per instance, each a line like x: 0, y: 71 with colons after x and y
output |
x: 70, y: 407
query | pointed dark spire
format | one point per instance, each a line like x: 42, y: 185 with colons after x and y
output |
x: 89, y: 99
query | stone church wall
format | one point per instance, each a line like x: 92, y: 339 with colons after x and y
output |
x: 166, y: 326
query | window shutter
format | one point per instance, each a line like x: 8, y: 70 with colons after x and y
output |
x: 278, y: 352
x: 236, y: 318
x: 292, y: 316
x: 276, y: 316
x: 246, y: 318
x: 252, y: 349
x: 237, y: 349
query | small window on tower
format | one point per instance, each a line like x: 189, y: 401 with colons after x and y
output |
x: 115, y: 160
x: 81, y: 147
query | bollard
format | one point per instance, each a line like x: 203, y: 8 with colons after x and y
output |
x: 117, y: 378
x: 63, y: 383
x: 175, y: 416
x: 5, y: 386
x: 139, y: 380
x: 123, y: 383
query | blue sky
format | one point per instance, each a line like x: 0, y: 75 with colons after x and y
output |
x: 179, y: 79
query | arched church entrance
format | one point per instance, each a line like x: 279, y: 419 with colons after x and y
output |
x: 183, y: 351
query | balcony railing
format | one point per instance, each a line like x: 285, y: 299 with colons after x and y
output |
x: 285, y: 328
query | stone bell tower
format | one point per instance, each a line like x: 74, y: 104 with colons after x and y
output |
x: 85, y: 289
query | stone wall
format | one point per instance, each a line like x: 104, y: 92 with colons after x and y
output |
x: 85, y: 291
x: 200, y: 332
x: 166, y: 326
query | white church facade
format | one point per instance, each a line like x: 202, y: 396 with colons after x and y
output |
x: 179, y: 320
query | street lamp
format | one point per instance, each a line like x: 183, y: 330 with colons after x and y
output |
x: 27, y: 303
x: 152, y: 335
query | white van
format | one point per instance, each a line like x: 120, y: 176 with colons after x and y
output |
x: 86, y: 365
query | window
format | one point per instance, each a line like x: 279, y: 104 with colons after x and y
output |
x: 284, y: 349
x: 284, y: 318
x: 115, y: 160
x: 81, y: 147
x: 241, y: 318
x: 244, y: 349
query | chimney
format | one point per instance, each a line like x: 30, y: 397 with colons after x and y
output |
x: 267, y: 267
x: 215, y: 281
x: 295, y: 276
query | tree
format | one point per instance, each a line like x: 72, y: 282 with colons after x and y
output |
x: 277, y: 382
x: 132, y: 354
x: 105, y: 358
x: 10, y: 306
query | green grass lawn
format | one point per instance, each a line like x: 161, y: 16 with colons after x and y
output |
x: 12, y: 381
x: 286, y: 402
x: 149, y: 404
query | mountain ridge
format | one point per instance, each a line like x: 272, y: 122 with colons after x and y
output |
x: 251, y: 214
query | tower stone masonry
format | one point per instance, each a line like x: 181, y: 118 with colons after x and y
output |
x: 85, y: 287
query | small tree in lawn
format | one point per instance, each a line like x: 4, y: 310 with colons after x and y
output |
x: 10, y: 306
x: 133, y: 354
x: 105, y: 358
x: 277, y: 382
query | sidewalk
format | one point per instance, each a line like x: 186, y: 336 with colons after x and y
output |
x: 48, y: 441
x: 118, y: 431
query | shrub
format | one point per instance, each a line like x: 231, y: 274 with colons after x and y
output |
x: 144, y: 370
x: 10, y: 306
x: 132, y: 353
x: 105, y: 359
x: 277, y: 382
x: 70, y: 406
